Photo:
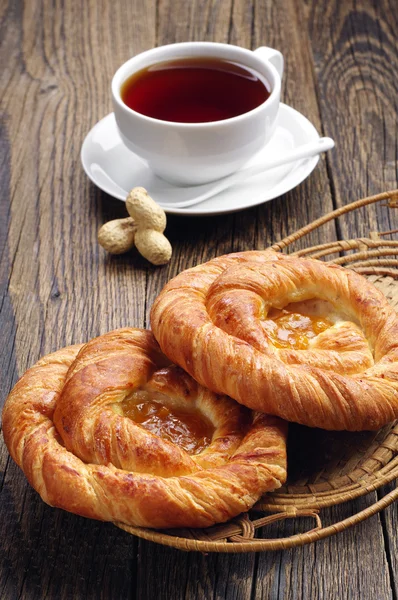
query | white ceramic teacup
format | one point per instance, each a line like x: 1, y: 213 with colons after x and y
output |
x: 195, y: 153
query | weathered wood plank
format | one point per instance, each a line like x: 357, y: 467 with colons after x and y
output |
x: 194, y: 575
x: 62, y: 287
x: 389, y: 520
x: 249, y: 25
x: 356, y: 60
x: 194, y: 241
x: 8, y: 329
x: 346, y: 566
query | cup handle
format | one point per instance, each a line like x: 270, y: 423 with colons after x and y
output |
x: 272, y: 56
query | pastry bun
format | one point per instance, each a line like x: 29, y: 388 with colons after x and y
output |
x: 65, y: 425
x: 215, y: 321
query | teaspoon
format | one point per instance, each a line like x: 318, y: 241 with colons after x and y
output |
x: 208, y: 190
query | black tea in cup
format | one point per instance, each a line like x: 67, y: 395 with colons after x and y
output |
x: 194, y: 90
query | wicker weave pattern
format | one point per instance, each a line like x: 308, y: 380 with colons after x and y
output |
x: 351, y: 464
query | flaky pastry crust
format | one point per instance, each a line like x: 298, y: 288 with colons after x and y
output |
x: 211, y: 321
x: 63, y: 426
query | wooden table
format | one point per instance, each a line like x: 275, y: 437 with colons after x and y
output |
x: 59, y: 287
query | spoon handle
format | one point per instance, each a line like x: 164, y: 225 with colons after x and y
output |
x: 209, y: 190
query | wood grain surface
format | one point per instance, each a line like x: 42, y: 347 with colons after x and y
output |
x: 57, y: 286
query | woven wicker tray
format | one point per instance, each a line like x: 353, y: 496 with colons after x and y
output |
x: 345, y: 465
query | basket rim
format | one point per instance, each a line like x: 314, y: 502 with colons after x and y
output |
x: 256, y: 545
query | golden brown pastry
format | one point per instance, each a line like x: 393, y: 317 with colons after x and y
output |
x: 313, y: 343
x: 110, y: 430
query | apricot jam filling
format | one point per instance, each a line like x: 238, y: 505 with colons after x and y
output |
x: 293, y: 330
x: 188, y: 429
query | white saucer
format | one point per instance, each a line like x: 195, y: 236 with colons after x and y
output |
x: 116, y: 170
